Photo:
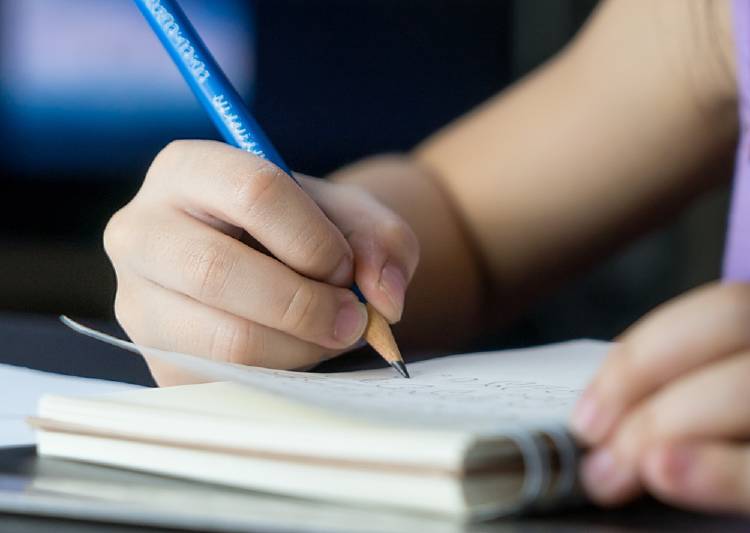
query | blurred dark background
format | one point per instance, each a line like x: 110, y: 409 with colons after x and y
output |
x: 87, y: 98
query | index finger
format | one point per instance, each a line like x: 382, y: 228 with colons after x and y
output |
x: 255, y: 195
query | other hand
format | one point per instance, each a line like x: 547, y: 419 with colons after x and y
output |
x: 669, y: 411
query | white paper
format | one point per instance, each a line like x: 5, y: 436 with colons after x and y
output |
x: 533, y: 386
x: 21, y: 388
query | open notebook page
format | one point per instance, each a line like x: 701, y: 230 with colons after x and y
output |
x: 532, y: 387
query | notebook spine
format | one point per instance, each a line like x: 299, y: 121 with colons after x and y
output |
x: 550, y: 460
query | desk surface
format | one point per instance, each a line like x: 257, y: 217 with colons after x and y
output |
x: 42, y: 343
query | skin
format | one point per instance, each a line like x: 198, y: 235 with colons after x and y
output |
x: 221, y: 255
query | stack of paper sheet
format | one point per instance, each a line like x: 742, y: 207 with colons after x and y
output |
x: 21, y: 388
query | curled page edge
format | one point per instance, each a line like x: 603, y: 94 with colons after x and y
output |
x: 204, y: 368
x: 254, y: 377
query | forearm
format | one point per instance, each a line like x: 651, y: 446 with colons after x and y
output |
x: 600, y: 144
x: 624, y: 127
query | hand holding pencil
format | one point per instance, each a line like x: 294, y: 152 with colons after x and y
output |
x: 222, y: 254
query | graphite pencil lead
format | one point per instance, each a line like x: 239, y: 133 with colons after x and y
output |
x: 401, y: 368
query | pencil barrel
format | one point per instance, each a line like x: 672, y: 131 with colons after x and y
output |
x: 206, y: 79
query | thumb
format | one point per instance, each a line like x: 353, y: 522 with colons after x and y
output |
x: 385, y: 258
x: 386, y: 250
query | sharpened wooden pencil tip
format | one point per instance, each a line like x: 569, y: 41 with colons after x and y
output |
x: 378, y: 334
x: 400, y: 368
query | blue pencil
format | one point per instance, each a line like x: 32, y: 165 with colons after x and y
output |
x: 236, y: 125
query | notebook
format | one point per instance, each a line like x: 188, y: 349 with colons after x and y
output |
x: 472, y: 436
x: 21, y: 389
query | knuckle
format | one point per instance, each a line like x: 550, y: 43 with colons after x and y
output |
x: 166, y: 160
x: 354, y: 194
x: 395, y: 230
x: 237, y: 341
x: 117, y: 234
x: 621, y: 373
x: 252, y: 192
x: 396, y: 233
x: 123, y: 312
x: 172, y: 152
x: 297, y: 310
x: 318, y: 247
x: 647, y: 422
x: 640, y: 428
x: 208, y: 270
x: 612, y: 392
x: 183, y: 157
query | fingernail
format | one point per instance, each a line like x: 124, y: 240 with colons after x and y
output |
x: 588, y: 420
x: 602, y: 477
x: 393, y: 283
x: 342, y: 274
x: 350, y: 322
x: 671, y: 463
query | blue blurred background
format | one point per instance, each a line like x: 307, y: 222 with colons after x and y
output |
x: 87, y: 98
x: 86, y: 89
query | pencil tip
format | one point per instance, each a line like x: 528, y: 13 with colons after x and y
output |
x: 401, y: 368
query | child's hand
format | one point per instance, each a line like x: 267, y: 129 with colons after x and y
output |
x: 186, y: 282
x: 669, y: 411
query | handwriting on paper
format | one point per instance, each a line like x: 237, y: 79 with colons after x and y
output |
x: 439, y: 397
x: 531, y: 385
